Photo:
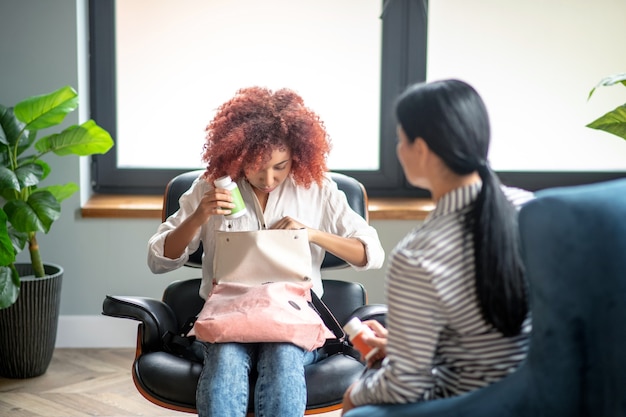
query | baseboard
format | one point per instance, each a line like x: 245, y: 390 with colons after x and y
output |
x: 95, y: 332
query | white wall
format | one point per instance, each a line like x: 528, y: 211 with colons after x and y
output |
x: 40, y: 50
x: 534, y: 63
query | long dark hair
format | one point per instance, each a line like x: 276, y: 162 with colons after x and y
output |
x: 451, y: 117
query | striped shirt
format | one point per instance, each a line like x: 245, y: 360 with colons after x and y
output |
x: 438, y: 344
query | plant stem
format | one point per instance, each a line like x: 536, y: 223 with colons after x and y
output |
x: 13, y: 156
x: 35, y: 256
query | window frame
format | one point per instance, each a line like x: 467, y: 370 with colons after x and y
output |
x: 403, y: 60
x: 403, y: 30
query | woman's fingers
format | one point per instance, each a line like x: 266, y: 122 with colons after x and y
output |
x: 378, y: 329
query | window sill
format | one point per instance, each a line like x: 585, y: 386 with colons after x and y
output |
x: 149, y: 207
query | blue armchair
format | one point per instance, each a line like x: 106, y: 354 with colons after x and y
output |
x: 574, y: 243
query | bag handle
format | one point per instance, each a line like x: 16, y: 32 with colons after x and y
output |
x: 328, y: 317
x: 340, y: 344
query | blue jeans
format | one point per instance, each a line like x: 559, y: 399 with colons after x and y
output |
x: 275, y: 370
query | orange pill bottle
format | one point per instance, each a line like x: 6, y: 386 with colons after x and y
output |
x: 356, y: 330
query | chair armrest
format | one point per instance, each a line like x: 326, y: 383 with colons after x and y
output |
x: 156, y: 316
x: 376, y: 312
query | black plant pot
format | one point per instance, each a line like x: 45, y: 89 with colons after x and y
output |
x: 28, y: 329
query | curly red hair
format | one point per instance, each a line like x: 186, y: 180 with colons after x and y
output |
x: 248, y: 127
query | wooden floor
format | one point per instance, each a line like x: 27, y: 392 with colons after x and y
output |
x: 81, y: 383
x: 78, y: 383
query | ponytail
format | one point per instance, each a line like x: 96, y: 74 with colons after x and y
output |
x: 500, y: 281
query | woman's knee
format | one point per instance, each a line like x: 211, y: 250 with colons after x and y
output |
x: 281, y: 355
x: 228, y: 357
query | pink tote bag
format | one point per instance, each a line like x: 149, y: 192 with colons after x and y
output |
x: 262, y: 291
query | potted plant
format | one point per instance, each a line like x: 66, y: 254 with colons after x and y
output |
x: 27, y: 208
x: 613, y: 121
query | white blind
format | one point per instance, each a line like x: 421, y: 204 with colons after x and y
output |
x: 178, y: 61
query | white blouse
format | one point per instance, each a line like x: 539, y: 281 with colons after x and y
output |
x: 324, y: 208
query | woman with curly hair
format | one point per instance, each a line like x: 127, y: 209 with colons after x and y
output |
x: 275, y: 148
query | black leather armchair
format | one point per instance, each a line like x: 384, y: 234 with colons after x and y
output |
x: 170, y: 380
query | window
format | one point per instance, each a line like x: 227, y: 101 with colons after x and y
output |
x: 527, y: 89
x: 182, y: 62
x: 402, y: 29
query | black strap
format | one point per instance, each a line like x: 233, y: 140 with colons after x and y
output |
x: 186, y: 328
x: 340, y: 344
x: 178, y: 344
x: 328, y: 317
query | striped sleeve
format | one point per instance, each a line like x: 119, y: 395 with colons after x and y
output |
x: 415, y: 319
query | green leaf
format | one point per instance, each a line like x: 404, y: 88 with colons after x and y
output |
x: 13, y: 182
x: 608, y: 81
x: 60, y: 192
x: 612, y: 122
x: 10, y: 127
x: 4, y: 155
x: 46, y: 110
x: 29, y: 174
x: 8, y: 181
x: 7, y: 252
x: 19, y: 239
x: 45, y: 168
x: 12, y: 131
x: 9, y: 286
x: 3, y: 136
x: 83, y: 140
x: 35, y: 215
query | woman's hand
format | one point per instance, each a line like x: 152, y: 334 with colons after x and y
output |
x: 347, y: 404
x: 287, y: 223
x: 350, y: 250
x: 379, y: 341
x: 214, y: 201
